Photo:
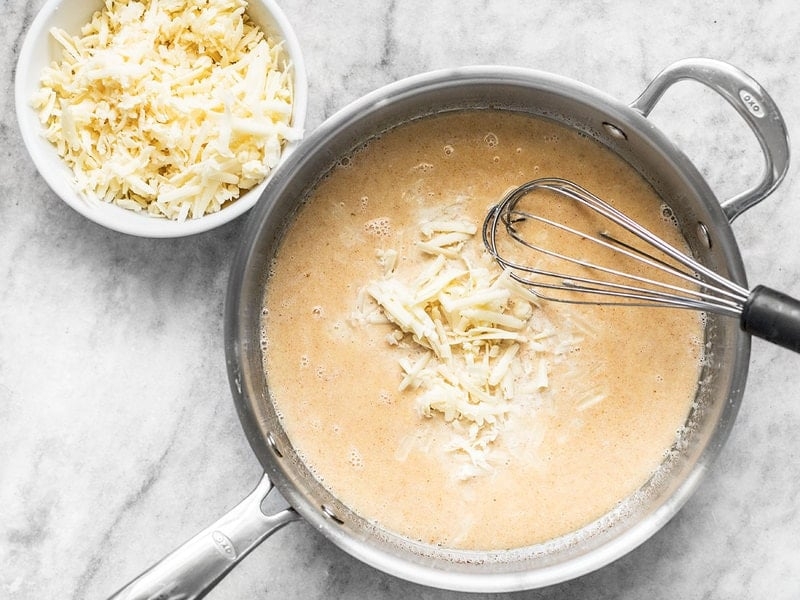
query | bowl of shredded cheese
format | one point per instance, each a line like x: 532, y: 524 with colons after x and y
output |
x: 160, y: 118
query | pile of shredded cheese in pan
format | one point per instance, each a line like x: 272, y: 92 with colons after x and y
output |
x: 467, y: 342
x: 172, y: 107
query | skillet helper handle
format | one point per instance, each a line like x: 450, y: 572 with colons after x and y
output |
x: 772, y: 316
x: 194, y: 568
x: 753, y: 104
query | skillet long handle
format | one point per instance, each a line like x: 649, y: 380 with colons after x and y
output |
x: 772, y: 316
x: 194, y: 568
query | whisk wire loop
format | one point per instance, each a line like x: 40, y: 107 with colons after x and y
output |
x: 694, y: 286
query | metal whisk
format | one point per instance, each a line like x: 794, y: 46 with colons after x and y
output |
x: 532, y: 233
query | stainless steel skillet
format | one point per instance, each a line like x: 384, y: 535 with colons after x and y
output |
x: 195, y: 567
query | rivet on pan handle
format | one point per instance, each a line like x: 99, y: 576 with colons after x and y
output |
x: 752, y: 103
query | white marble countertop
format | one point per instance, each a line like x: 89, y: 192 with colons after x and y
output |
x: 118, y: 437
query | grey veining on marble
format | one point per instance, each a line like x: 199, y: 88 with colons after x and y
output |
x: 118, y: 438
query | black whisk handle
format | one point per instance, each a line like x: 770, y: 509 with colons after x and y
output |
x: 772, y: 316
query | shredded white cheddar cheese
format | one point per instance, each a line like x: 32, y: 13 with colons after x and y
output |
x: 172, y: 107
x: 472, y: 349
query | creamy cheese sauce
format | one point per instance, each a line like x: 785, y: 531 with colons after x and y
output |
x: 561, y: 459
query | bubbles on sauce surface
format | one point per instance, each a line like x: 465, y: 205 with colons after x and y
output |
x: 380, y: 227
x: 491, y: 140
x: 698, y: 342
x: 363, y: 203
x: 448, y: 150
x: 355, y: 459
x: 423, y: 167
x: 318, y: 311
x: 668, y: 216
x: 303, y: 459
x: 304, y: 361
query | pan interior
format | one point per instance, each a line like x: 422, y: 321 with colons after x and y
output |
x: 631, y: 521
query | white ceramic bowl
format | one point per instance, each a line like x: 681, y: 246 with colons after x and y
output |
x: 39, y: 50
